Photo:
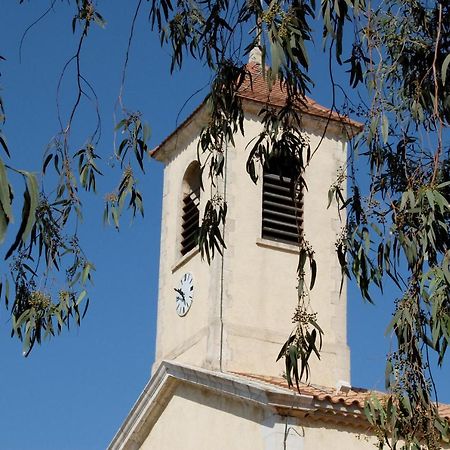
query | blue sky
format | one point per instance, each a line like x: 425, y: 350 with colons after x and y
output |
x: 74, y: 391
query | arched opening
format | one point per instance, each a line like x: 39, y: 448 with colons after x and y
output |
x: 190, y: 214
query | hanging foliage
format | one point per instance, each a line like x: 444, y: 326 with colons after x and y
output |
x: 397, y: 58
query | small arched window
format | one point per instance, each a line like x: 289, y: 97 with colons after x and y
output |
x: 190, y: 214
x: 282, y: 202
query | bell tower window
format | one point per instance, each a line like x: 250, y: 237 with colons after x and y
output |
x: 282, y: 202
x: 190, y: 214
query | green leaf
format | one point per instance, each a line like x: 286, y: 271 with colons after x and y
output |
x: 288, y: 371
x: 115, y: 216
x: 302, y: 260
x: 146, y: 132
x: 384, y: 128
x: 30, y: 202
x: 368, y: 411
x: 438, y: 426
x: 86, y: 272
x: 430, y: 197
x: 33, y: 190
x: 4, y: 145
x: 4, y: 192
x: 285, y: 346
x: 121, y: 124
x: 393, y: 322
x: 3, y: 225
x: 445, y: 68
x: 376, y: 229
x: 99, y: 20
x: 46, y: 162
x: 7, y: 293
x: 313, y: 266
x: 388, y: 372
x: 366, y: 237
x: 293, y: 356
x: 330, y: 196
x: 81, y: 296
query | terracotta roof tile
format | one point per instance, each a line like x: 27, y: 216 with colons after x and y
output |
x: 354, y: 397
x: 444, y: 411
x: 257, y: 90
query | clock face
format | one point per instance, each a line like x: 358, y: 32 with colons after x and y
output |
x: 184, y: 294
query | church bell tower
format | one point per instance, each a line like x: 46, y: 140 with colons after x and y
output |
x: 235, y: 314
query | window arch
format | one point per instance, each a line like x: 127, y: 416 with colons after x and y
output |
x: 282, y: 201
x: 190, y: 213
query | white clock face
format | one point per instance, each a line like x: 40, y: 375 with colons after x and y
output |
x: 184, y: 294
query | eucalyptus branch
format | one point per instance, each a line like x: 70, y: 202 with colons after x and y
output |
x: 41, y: 17
x: 127, y: 54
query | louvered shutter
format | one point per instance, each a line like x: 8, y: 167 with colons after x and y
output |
x: 282, y: 208
x: 190, y: 221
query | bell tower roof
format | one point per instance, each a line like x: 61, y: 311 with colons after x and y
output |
x: 256, y: 91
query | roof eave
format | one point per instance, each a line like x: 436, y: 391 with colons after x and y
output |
x: 350, y: 127
x: 341, y: 125
x: 197, y: 118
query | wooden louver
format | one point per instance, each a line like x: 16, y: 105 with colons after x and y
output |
x: 190, y: 220
x: 282, y: 209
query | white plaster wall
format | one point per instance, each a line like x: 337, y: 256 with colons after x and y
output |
x: 196, y: 419
x: 177, y: 337
x: 336, y: 438
x: 239, y: 321
x: 260, y: 281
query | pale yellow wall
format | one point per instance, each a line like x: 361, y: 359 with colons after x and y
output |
x: 336, y: 438
x: 256, y: 296
x: 176, y: 335
x: 196, y: 419
x: 260, y: 282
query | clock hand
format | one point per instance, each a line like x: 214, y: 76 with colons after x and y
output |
x: 180, y: 291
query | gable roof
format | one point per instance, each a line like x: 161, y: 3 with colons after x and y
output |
x: 255, y: 90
